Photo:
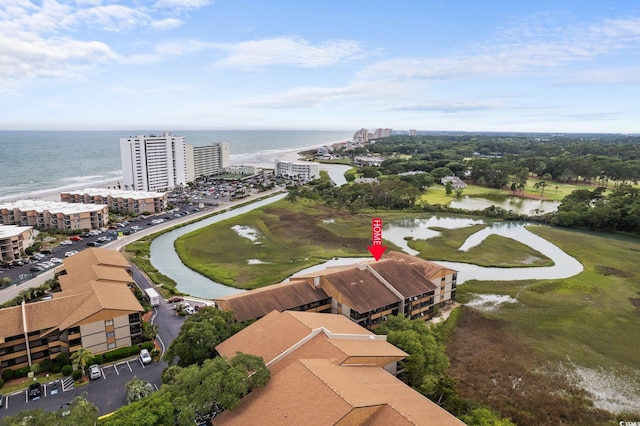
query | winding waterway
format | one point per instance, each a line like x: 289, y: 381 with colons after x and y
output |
x: 165, y: 259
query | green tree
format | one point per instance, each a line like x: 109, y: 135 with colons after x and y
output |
x: 425, y: 367
x: 187, y: 392
x: 199, y: 335
x: 484, y: 417
x: 137, y: 390
x: 540, y: 185
x: 82, y: 357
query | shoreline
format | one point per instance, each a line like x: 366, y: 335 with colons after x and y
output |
x: 262, y: 159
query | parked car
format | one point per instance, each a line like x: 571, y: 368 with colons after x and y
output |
x: 94, y: 372
x: 189, y: 310
x: 35, y: 391
x: 93, y: 244
x: 45, y: 251
x: 175, y: 299
x: 145, y: 357
x: 76, y: 238
x: 66, y: 242
x: 1, y: 400
x: 70, y: 253
x: 55, y: 260
x: 36, y: 269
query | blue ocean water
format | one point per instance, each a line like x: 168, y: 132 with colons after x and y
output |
x: 33, y: 162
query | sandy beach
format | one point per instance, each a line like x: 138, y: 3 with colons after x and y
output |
x: 263, y: 159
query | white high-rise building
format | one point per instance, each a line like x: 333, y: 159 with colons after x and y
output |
x: 305, y: 170
x: 207, y: 160
x: 153, y: 163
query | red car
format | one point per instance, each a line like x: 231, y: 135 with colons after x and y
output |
x: 76, y: 238
x: 175, y: 299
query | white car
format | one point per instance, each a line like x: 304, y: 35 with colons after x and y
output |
x: 55, y: 260
x: 66, y: 243
x: 145, y: 357
x: 189, y: 309
x: 70, y: 253
x: 94, y: 372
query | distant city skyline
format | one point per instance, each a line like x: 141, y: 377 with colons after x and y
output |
x: 563, y: 66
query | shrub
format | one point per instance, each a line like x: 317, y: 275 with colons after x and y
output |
x: 77, y: 374
x: 62, y: 359
x: 1, y: 383
x: 66, y: 370
x: 55, y: 369
x: 22, y: 372
x: 7, y: 374
x: 98, y: 359
x: 46, y: 365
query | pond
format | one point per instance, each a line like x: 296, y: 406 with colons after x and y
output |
x: 526, y: 206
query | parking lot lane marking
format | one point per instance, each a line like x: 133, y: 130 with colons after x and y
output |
x: 115, y: 367
x: 129, y: 365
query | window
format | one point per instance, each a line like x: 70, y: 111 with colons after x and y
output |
x: 111, y: 345
x: 107, y: 323
x: 110, y: 334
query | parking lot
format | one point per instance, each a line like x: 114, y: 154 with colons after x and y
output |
x: 108, y: 393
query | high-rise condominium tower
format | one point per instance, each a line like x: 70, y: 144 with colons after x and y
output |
x: 153, y: 163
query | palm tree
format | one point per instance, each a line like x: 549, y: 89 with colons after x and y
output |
x: 137, y: 390
x: 82, y: 357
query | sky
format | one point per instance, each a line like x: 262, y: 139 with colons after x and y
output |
x: 462, y: 65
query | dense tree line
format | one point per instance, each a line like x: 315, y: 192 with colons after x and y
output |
x: 505, y: 162
x: 492, y: 159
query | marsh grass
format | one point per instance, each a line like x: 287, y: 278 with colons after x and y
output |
x: 495, y: 250
x: 291, y: 237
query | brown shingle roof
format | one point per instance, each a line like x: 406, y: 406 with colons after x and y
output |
x: 319, y: 392
x: 404, y: 277
x: 429, y: 269
x: 363, y: 291
x: 294, y: 396
x: 11, y: 320
x: 308, y: 334
x: 258, y: 303
x: 95, y: 256
x: 81, y: 297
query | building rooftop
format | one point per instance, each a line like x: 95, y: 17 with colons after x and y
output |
x: 116, y: 193
x: 8, y: 231
x: 328, y: 377
x: 52, y: 206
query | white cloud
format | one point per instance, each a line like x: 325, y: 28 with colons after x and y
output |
x: 514, y: 56
x: 166, y: 24
x: 300, y: 97
x: 450, y: 106
x: 288, y: 51
x: 181, y: 4
x: 114, y: 17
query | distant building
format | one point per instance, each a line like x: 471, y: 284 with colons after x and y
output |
x: 413, y: 132
x: 54, y: 214
x: 153, y: 163
x: 305, y: 170
x: 456, y: 182
x: 368, y: 161
x: 13, y: 241
x: 161, y: 163
x: 241, y: 170
x: 207, y: 160
x: 121, y: 200
x: 96, y: 310
x: 382, y: 133
x: 366, y: 293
